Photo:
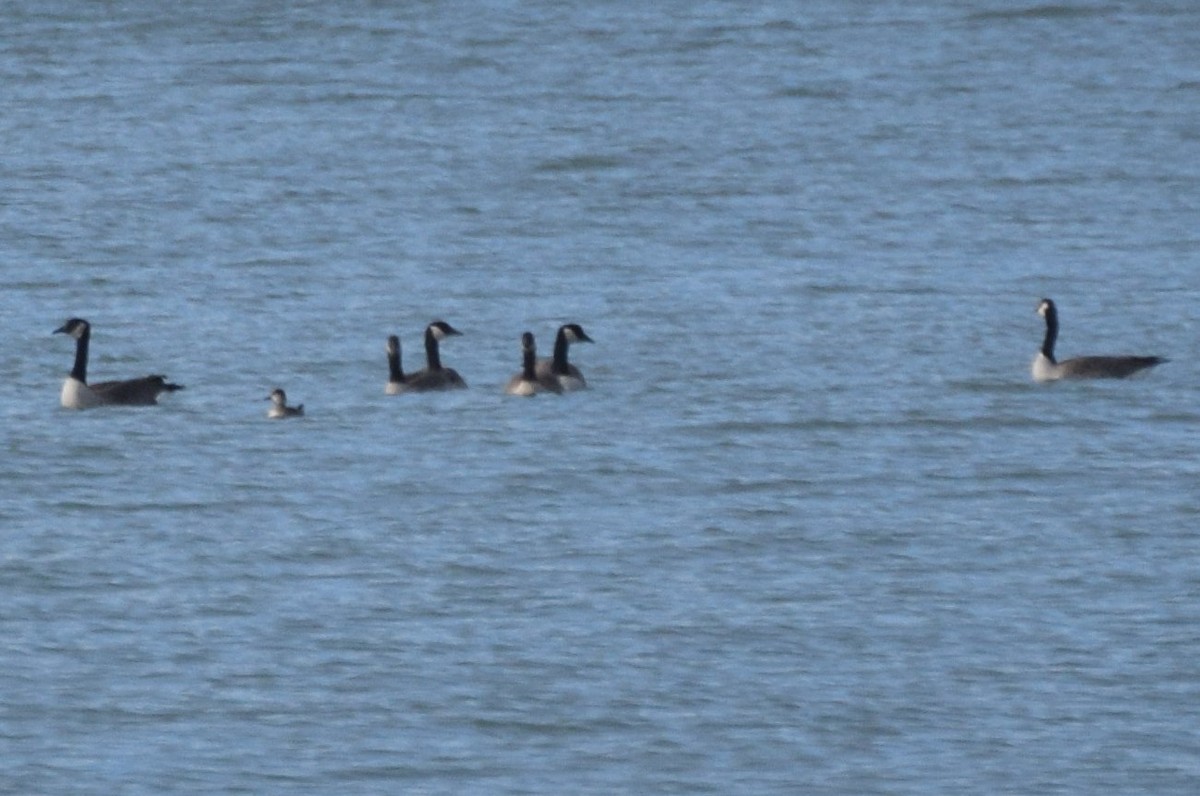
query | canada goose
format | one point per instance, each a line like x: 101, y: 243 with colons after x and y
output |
x: 557, y: 370
x: 78, y: 394
x: 1046, y: 368
x: 526, y: 382
x: 397, y: 383
x: 433, y: 376
x: 279, y: 407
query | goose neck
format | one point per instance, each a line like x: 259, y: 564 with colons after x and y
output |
x: 395, y: 371
x: 1051, y: 334
x: 79, y: 371
x: 529, y: 363
x: 432, y: 358
x: 561, y: 345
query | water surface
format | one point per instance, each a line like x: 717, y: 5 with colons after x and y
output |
x: 812, y: 530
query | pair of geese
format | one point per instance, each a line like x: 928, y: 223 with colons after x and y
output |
x: 556, y: 375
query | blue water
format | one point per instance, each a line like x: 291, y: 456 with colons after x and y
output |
x: 812, y: 530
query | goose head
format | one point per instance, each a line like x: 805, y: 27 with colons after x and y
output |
x: 441, y: 330
x: 75, y: 327
x: 574, y: 333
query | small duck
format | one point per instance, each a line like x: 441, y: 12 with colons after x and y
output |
x: 279, y: 408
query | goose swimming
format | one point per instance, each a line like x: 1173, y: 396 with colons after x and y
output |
x: 526, y: 382
x: 78, y: 394
x: 557, y: 370
x: 433, y: 376
x: 1047, y: 368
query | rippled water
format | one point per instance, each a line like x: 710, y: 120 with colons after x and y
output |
x: 813, y: 530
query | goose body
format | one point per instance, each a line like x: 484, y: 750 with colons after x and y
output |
x: 1047, y: 368
x: 435, y: 377
x: 526, y: 383
x: 396, y: 383
x: 279, y: 408
x: 557, y: 370
x: 78, y: 394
